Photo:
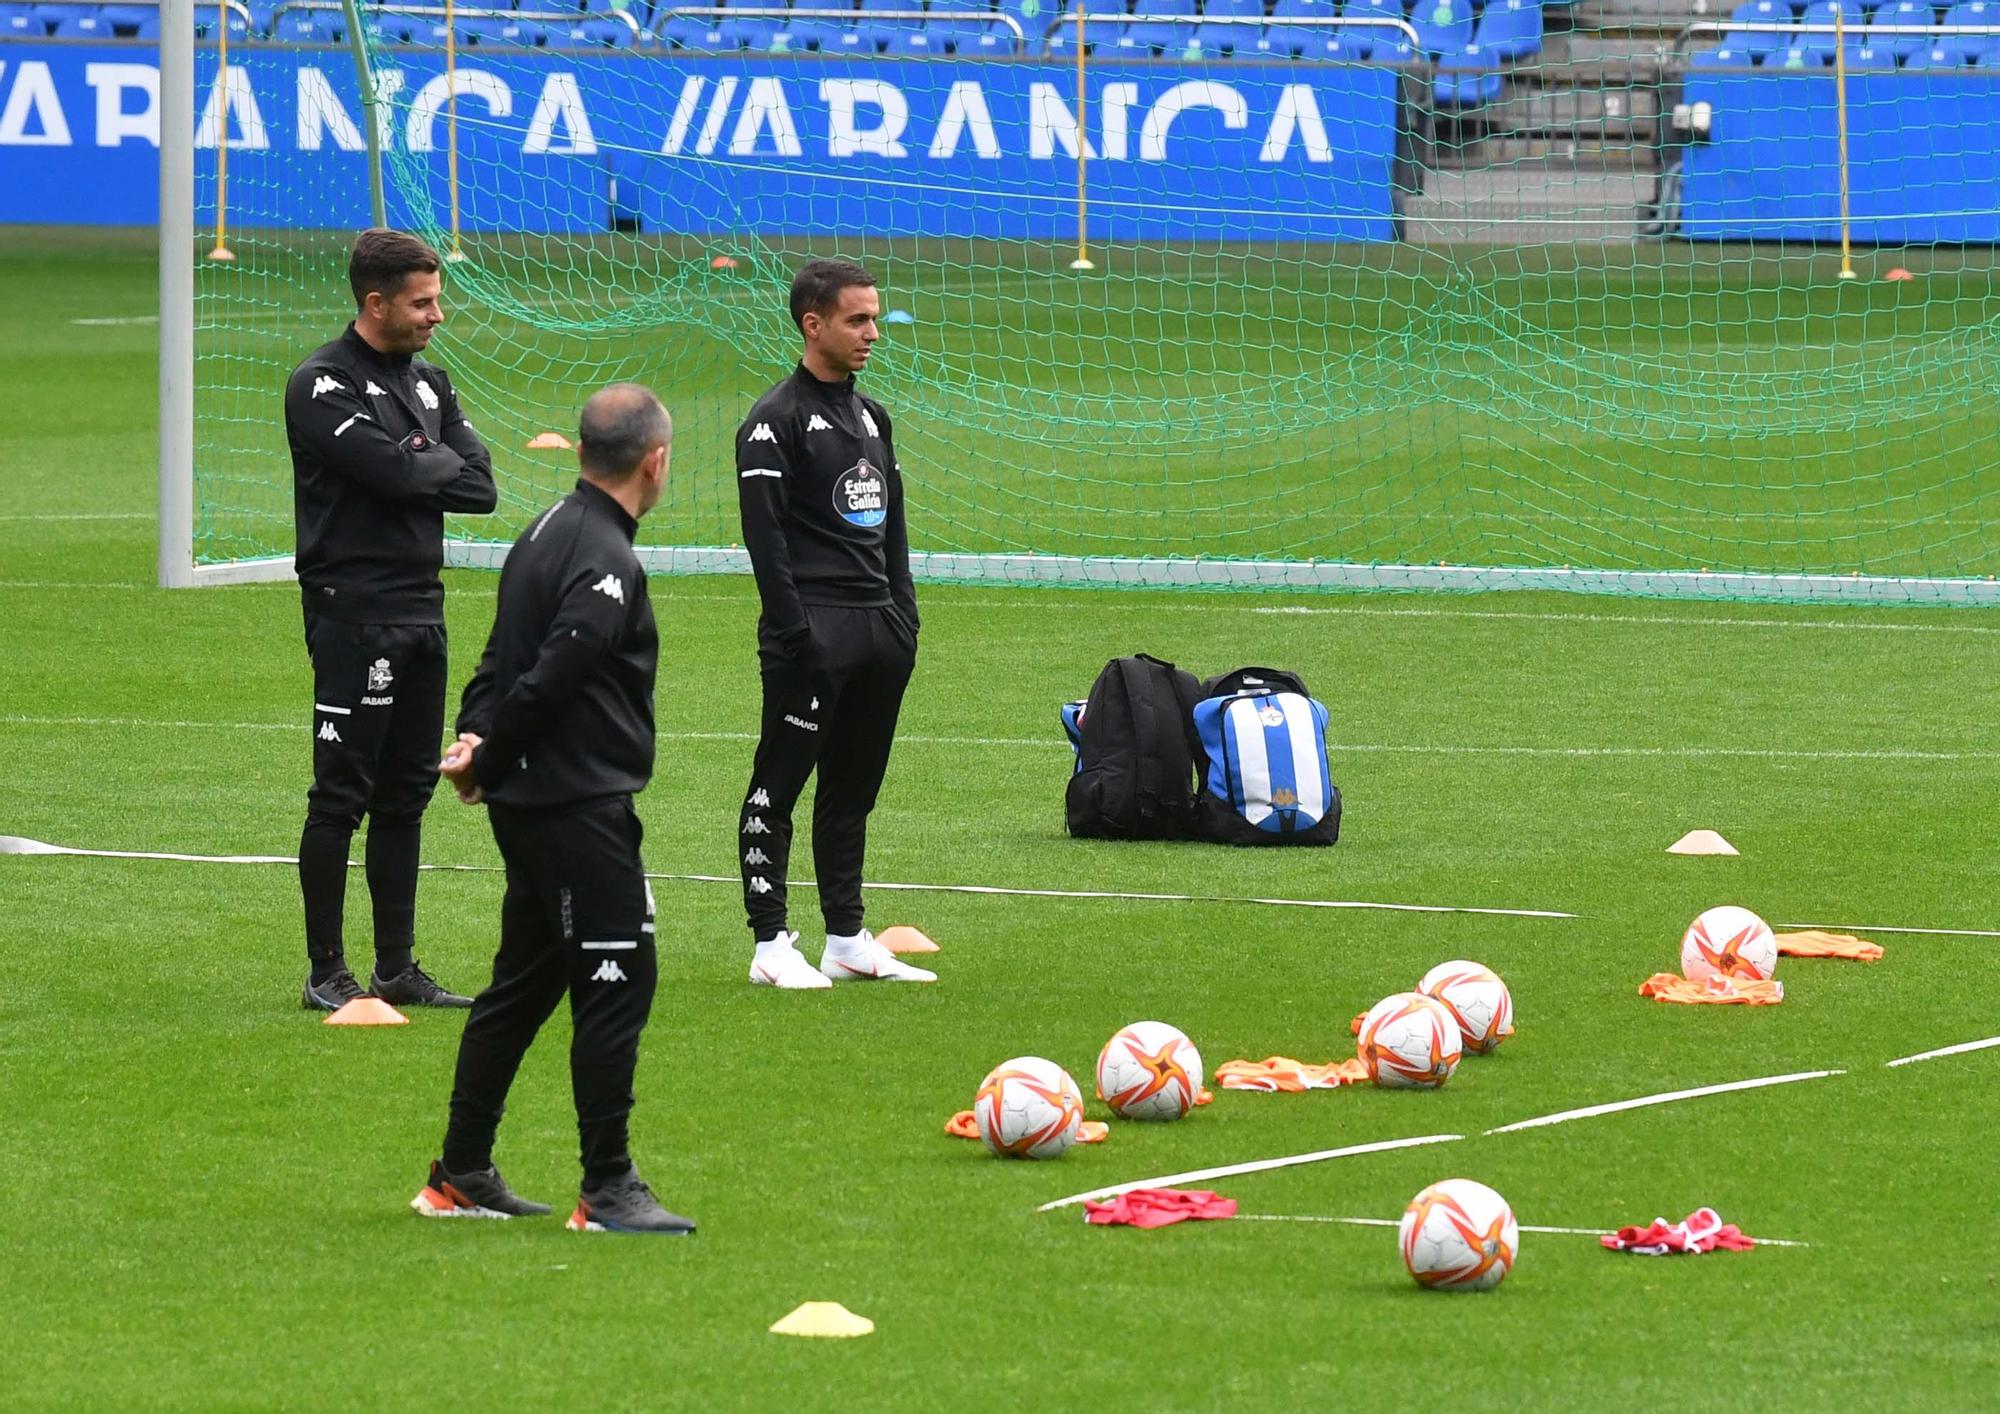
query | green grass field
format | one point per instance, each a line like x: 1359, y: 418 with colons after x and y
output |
x: 204, y: 1189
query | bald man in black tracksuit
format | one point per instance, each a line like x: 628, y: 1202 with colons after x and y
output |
x: 822, y: 503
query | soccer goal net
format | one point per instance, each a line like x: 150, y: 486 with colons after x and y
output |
x: 1270, y: 295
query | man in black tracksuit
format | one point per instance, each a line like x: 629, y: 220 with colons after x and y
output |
x: 380, y: 451
x: 822, y: 502
x: 556, y: 736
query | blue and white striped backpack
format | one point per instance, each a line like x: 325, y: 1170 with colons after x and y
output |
x: 1266, y: 779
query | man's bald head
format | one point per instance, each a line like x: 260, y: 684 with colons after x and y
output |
x: 620, y: 427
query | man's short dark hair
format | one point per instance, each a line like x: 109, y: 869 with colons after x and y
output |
x: 383, y: 259
x: 816, y: 288
x: 619, y: 426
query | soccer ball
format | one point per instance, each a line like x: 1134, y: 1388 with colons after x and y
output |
x: 1150, y: 1070
x: 1728, y: 942
x: 1477, y: 1000
x: 1409, y: 1042
x: 1458, y: 1235
x: 1028, y: 1108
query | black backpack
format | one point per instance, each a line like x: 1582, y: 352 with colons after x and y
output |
x: 1137, y: 755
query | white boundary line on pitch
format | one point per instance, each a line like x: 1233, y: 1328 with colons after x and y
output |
x: 91, y: 515
x: 1053, y: 744
x: 1862, y: 928
x: 17, y: 845
x: 1958, y: 1050
x: 1644, y: 1101
x: 1255, y: 1166
x: 1525, y: 1227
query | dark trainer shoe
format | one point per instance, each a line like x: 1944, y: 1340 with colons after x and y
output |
x: 482, y: 1193
x: 332, y: 994
x: 626, y: 1204
x: 414, y: 987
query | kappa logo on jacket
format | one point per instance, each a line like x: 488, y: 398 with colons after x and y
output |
x: 326, y: 384
x: 816, y: 423
x: 425, y: 396
x: 762, y: 433
x: 610, y: 588
x: 374, y: 389
x: 869, y: 423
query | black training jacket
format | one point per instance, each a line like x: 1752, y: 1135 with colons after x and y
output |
x: 380, y: 452
x: 822, y: 501
x: 564, y: 693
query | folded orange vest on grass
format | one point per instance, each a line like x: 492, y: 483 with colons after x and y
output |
x: 1718, y: 990
x: 1283, y: 1074
x: 963, y: 1126
x: 1814, y: 943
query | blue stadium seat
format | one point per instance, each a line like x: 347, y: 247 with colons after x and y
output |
x: 1377, y: 43
x: 1760, y: 12
x: 390, y: 26
x: 83, y: 27
x: 21, y: 25
x: 126, y: 19
x: 972, y: 31
x: 312, y: 27
x: 1144, y: 38
x: 1902, y: 14
x: 1509, y: 29
x: 1720, y: 57
x: 1794, y: 56
x: 1467, y: 79
x: 593, y: 34
x: 479, y: 32
x: 1290, y: 41
x: 149, y: 29
x: 751, y: 32
x: 1861, y: 57
x: 878, y: 36
x: 698, y: 34
x: 1952, y: 51
x: 1227, y: 39
x: 1443, y: 26
x: 52, y: 15
x: 1974, y: 12
x: 1818, y: 49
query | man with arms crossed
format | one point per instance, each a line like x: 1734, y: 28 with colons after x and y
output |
x: 556, y: 736
x: 822, y: 503
x: 380, y: 452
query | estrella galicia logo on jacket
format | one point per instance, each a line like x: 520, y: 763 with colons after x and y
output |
x: 861, y: 495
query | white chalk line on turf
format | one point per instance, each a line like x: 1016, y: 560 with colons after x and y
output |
x: 15, y: 844
x: 1053, y: 744
x: 1254, y: 1166
x: 1644, y: 1101
x: 1525, y: 1227
x: 1962, y: 1048
x: 92, y: 515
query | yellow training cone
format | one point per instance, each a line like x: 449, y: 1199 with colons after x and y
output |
x: 829, y: 1319
x: 368, y: 1011
x: 903, y: 938
x: 1701, y: 842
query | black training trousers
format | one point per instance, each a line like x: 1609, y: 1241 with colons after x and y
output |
x: 378, y: 720
x: 577, y: 918
x: 838, y: 715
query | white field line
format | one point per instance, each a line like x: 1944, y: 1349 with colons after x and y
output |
x: 1053, y: 743
x: 15, y: 844
x: 1254, y: 1166
x: 1525, y: 1227
x: 1863, y: 928
x: 93, y: 515
x: 1645, y: 1101
x: 112, y: 323
x: 1958, y: 1050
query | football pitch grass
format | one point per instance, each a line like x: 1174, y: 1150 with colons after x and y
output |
x: 204, y: 1189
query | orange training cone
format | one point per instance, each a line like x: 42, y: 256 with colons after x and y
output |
x: 368, y: 1011
x: 903, y: 938
x: 548, y: 442
x: 1898, y: 275
x: 1701, y: 842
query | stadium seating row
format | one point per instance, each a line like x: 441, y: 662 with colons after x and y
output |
x: 1890, y: 35
x: 1455, y: 32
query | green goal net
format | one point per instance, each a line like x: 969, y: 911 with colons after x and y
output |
x: 1336, y: 334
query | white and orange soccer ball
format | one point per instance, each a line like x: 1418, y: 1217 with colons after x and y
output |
x: 1409, y: 1042
x: 1729, y: 942
x: 1150, y: 1070
x: 1458, y: 1235
x: 1028, y: 1108
x: 1477, y: 1000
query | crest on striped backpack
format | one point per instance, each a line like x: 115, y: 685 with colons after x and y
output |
x: 1267, y: 779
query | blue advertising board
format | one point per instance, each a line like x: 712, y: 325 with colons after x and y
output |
x: 745, y: 143
x: 1923, y: 158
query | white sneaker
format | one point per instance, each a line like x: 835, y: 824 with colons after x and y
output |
x: 862, y: 959
x: 779, y: 963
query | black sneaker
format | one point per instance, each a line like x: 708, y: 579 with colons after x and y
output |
x: 483, y: 1193
x: 414, y: 987
x: 332, y: 994
x: 626, y: 1204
